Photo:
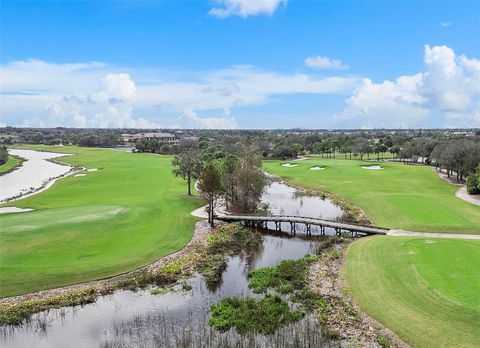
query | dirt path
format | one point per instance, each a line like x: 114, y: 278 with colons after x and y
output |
x: 402, y: 233
x: 463, y: 194
x: 462, y: 191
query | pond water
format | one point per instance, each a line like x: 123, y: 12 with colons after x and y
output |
x: 180, y: 318
x: 36, y: 172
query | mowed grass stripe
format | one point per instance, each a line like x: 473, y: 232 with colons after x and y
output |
x: 398, y: 196
x: 121, y: 217
x: 426, y: 290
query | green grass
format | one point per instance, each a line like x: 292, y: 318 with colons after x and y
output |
x: 125, y: 215
x: 426, y: 290
x: 399, y: 196
x: 11, y: 163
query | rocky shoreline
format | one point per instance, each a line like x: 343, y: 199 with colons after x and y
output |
x: 340, y: 316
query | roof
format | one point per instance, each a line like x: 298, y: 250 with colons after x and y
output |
x: 158, y: 135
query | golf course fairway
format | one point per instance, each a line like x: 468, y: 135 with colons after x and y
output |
x: 128, y: 213
x: 426, y: 290
x: 11, y: 163
x: 398, y: 196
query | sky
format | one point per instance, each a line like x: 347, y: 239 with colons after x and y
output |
x: 251, y: 64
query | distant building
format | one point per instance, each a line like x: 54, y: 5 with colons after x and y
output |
x: 167, y: 138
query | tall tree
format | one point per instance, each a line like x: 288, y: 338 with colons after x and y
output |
x: 250, y: 180
x: 210, y: 184
x: 228, y: 166
x: 188, y: 165
x: 362, y: 146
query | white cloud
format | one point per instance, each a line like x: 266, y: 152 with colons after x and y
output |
x: 101, y: 95
x: 324, y: 63
x: 119, y: 87
x: 449, y: 88
x: 446, y: 24
x: 109, y: 107
x: 221, y: 122
x: 245, y: 8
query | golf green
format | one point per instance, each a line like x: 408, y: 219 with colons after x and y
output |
x: 401, y: 196
x: 128, y: 213
x: 426, y: 290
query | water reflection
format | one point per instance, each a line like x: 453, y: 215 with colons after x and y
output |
x: 180, y: 318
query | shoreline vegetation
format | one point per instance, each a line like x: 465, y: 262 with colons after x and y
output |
x: 312, y: 285
x: 301, y: 288
x: 206, y: 254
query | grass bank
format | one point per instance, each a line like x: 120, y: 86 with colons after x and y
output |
x: 426, y: 290
x: 397, y: 196
x: 12, y: 163
x: 206, y: 254
x: 128, y: 213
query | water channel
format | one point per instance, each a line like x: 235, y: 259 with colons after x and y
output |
x: 180, y: 318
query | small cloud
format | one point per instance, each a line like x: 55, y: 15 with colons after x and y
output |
x: 245, y: 8
x: 446, y: 24
x: 222, y: 122
x: 325, y: 63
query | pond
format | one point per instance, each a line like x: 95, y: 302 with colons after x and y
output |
x: 180, y: 318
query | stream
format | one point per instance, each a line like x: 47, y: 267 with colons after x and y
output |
x: 180, y: 318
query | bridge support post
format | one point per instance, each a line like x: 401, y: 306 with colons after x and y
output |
x: 292, y: 227
x: 322, y: 230
x: 308, y: 229
x: 277, y: 226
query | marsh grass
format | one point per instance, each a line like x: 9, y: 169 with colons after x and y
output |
x: 286, y: 277
x: 263, y: 315
x: 14, y: 314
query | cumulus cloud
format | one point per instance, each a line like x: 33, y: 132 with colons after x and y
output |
x: 448, y: 88
x: 99, y: 95
x: 109, y: 107
x: 324, y: 63
x: 119, y: 87
x: 245, y: 8
x: 221, y: 122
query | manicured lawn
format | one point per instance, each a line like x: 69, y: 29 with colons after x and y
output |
x: 398, y: 196
x: 11, y: 163
x: 425, y: 290
x: 123, y: 216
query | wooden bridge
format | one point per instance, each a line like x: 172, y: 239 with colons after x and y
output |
x: 340, y: 227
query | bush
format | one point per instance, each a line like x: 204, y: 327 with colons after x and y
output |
x: 472, y: 184
x: 265, y: 315
x: 286, y: 277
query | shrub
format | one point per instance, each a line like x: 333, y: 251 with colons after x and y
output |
x: 384, y: 341
x: 472, y: 184
x: 265, y: 315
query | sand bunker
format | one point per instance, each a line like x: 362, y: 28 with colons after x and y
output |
x: 289, y: 165
x: 36, y: 174
x: 80, y: 175
x: 92, y: 170
x: 13, y: 210
x: 317, y: 168
x: 372, y: 167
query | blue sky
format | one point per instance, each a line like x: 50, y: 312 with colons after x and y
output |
x: 240, y: 64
